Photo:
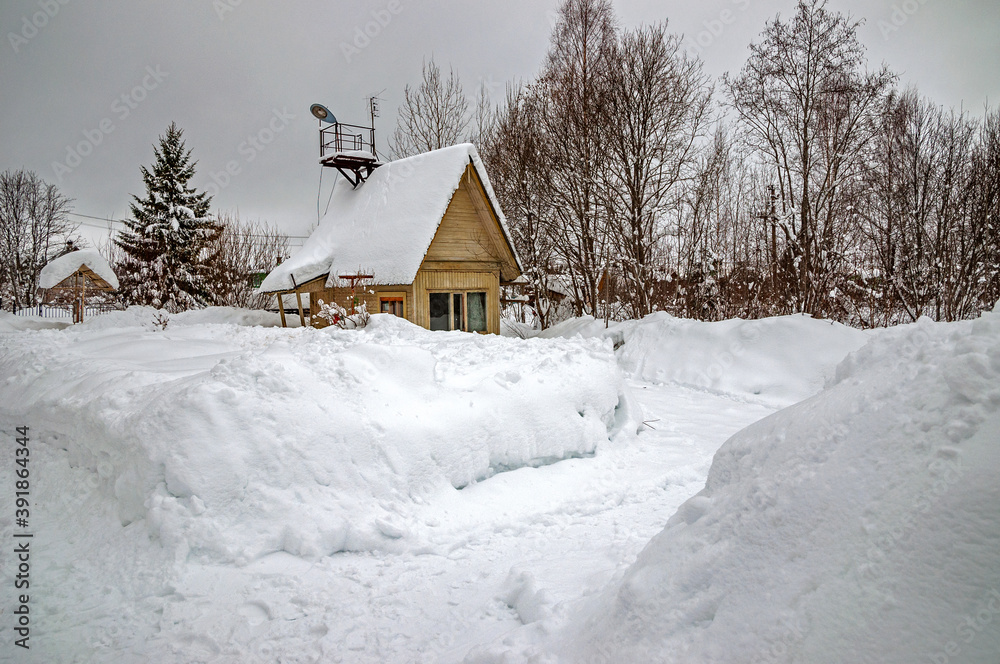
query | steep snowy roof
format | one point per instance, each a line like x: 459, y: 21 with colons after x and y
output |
x: 65, y: 266
x: 385, y: 226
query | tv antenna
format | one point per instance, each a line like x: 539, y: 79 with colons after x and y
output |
x: 374, y: 102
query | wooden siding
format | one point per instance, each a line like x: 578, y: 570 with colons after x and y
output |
x: 467, y: 255
x: 461, y: 235
x: 456, y: 281
x: 342, y: 296
x: 503, y: 251
x: 470, y: 231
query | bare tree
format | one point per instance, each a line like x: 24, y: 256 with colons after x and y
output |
x: 898, y: 206
x: 484, y: 118
x: 930, y: 209
x: 658, y: 107
x: 434, y: 115
x: 987, y: 204
x: 34, y: 228
x: 964, y: 261
x: 576, y: 85
x: 830, y: 193
x: 514, y: 155
x: 700, y: 233
x: 243, y: 253
x: 808, y: 107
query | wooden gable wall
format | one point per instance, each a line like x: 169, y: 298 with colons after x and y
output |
x: 468, y: 254
x: 462, y: 235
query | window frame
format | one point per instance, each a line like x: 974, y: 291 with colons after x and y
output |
x: 486, y: 310
x: 464, y: 294
x: 392, y: 297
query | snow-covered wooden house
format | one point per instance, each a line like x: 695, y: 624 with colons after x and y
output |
x: 422, y: 238
x: 69, y: 279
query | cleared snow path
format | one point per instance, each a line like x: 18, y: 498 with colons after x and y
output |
x: 509, y: 551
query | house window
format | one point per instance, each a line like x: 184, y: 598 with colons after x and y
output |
x: 440, y: 311
x: 458, y: 311
x: 392, y: 305
x: 476, y: 307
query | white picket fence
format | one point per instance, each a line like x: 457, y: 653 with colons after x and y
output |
x: 47, y: 311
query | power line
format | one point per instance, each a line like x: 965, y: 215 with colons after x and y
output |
x: 88, y: 216
x: 119, y: 221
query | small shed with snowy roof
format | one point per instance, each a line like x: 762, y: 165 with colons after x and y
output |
x: 69, y: 278
x: 428, y: 234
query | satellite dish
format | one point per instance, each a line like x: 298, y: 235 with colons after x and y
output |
x: 322, y: 113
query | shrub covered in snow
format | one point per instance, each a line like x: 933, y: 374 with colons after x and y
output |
x: 334, y: 314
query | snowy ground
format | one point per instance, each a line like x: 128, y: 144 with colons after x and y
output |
x: 497, y: 570
x: 531, y: 538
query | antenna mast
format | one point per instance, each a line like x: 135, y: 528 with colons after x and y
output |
x: 373, y: 106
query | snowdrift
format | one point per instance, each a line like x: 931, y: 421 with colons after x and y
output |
x: 862, y: 525
x: 11, y: 323
x: 231, y: 442
x: 777, y: 361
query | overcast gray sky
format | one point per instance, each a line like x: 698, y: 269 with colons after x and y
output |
x: 87, y: 86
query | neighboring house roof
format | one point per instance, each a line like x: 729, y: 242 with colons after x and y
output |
x: 67, y: 265
x: 385, y: 226
x: 561, y: 284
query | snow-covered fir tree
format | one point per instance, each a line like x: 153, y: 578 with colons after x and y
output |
x: 165, y: 245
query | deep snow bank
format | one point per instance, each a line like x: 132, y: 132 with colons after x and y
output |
x: 11, y: 323
x: 233, y: 441
x: 862, y: 525
x: 778, y: 361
